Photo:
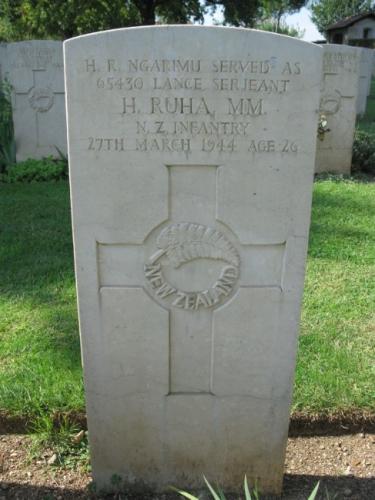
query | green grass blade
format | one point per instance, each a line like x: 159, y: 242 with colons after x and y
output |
x: 213, y: 492
x: 246, y: 488
x: 62, y: 155
x: 221, y: 493
x: 185, y: 494
x: 314, y: 492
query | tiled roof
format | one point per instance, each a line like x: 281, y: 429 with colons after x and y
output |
x: 348, y: 21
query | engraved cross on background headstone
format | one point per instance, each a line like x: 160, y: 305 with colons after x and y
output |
x: 40, y: 98
x: 193, y: 193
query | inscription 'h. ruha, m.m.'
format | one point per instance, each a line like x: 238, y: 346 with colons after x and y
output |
x: 192, y: 106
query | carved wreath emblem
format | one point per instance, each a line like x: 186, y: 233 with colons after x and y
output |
x: 41, y: 99
x: 181, y: 243
x: 330, y: 103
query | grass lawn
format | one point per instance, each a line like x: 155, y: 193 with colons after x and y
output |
x: 39, y: 346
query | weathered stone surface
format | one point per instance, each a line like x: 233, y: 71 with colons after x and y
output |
x: 192, y: 155
x: 340, y: 86
x: 365, y: 69
x: 35, y: 70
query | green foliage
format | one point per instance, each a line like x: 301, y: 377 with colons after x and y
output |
x: 314, y: 492
x: 64, y: 160
x: 275, y: 10
x: 170, y: 11
x: 64, y: 439
x: 282, y: 29
x: 327, y: 12
x: 363, y: 158
x: 218, y: 494
x: 261, y: 14
x: 61, y: 19
x: 7, y: 142
x: 46, y: 169
x: 241, y: 13
x: 367, y: 122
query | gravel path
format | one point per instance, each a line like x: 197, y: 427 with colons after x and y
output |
x: 345, y: 465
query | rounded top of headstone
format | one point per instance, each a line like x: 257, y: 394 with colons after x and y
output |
x: 149, y: 32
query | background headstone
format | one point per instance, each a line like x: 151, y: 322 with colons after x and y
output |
x: 365, y: 70
x: 338, y: 100
x: 191, y: 155
x: 35, y: 70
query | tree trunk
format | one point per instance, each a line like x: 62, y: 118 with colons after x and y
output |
x: 279, y: 16
x: 147, y: 12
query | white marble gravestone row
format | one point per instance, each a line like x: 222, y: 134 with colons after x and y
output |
x: 340, y: 87
x: 191, y: 155
x: 35, y: 71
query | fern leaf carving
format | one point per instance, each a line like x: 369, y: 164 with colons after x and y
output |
x: 185, y: 241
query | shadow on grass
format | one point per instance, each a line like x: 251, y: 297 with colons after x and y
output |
x: 296, y: 487
x: 40, y: 348
x: 326, y: 200
x: 341, y: 225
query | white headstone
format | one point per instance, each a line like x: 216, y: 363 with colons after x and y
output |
x: 35, y: 70
x: 365, y: 70
x: 192, y: 156
x: 338, y: 101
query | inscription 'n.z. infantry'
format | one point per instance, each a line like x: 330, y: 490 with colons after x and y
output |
x: 181, y: 243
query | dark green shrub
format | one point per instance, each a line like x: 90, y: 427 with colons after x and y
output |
x: 364, y: 152
x: 46, y: 169
x: 7, y: 142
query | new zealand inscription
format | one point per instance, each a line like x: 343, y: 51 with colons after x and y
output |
x: 184, y: 242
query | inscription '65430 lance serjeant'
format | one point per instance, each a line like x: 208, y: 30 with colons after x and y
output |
x: 181, y: 243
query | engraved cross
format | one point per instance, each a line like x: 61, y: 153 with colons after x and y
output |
x: 191, y: 265
x: 40, y: 97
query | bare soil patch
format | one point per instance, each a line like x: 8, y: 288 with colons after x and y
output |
x: 345, y: 466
